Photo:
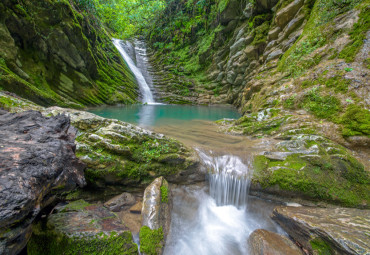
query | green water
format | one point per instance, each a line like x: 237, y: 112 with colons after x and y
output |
x: 158, y: 115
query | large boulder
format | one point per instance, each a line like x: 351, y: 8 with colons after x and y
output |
x: 156, y: 216
x: 263, y: 242
x: 326, y: 230
x: 119, y: 153
x: 81, y: 228
x: 37, y: 162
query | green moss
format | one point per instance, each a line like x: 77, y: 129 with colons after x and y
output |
x: 47, y: 241
x: 356, y: 121
x: 336, y: 179
x: 358, y: 35
x: 260, y: 33
x: 290, y: 102
x: 151, y: 241
x: 325, y: 107
x: 338, y: 83
x: 321, y: 247
x: 76, y: 206
x: 164, y: 193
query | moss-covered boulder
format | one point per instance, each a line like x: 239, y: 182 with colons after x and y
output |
x: 81, y: 228
x: 53, y: 53
x: 312, y: 167
x: 326, y: 231
x: 302, y: 162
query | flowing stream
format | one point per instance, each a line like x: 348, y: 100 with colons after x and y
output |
x: 215, y: 217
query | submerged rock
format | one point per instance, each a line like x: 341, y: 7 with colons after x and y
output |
x: 37, y: 162
x: 81, y: 228
x: 326, y: 231
x: 263, y: 242
x: 156, y: 216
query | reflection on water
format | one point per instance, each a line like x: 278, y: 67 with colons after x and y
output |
x: 152, y: 115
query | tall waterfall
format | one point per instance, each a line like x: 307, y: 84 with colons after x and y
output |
x: 228, y: 179
x: 147, y: 96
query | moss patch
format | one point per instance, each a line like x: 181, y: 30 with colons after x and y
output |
x: 356, y: 121
x: 151, y: 241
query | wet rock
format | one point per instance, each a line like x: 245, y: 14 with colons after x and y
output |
x: 37, y: 162
x: 324, y: 230
x: 136, y: 208
x: 286, y: 14
x: 263, y: 242
x: 119, y: 202
x: 81, y: 228
x: 156, y: 212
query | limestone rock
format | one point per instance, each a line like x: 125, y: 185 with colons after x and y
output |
x: 119, y: 202
x: 320, y: 230
x: 81, y: 228
x: 238, y: 45
x: 286, y: 14
x: 274, y: 55
x: 136, y: 208
x: 274, y: 33
x: 37, y: 161
x: 263, y: 242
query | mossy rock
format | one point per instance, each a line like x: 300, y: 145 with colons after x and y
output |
x: 81, y: 228
x: 315, y: 168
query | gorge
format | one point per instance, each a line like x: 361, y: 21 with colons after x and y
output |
x: 208, y: 127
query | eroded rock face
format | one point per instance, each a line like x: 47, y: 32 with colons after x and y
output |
x: 37, y: 161
x: 81, y: 228
x: 323, y: 230
x: 263, y: 242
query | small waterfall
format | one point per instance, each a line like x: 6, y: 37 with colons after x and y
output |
x: 228, y: 179
x: 144, y: 87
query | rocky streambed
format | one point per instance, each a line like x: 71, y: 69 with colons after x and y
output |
x: 46, y: 156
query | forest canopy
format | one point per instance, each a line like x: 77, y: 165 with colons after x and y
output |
x: 124, y: 18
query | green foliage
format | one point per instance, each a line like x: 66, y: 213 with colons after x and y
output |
x: 356, y: 121
x: 151, y: 241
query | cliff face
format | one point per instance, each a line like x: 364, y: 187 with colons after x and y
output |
x: 52, y: 54
x: 293, y: 55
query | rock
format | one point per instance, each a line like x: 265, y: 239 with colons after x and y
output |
x: 273, y: 34
x: 263, y: 242
x: 136, y: 208
x: 252, y: 52
x: 81, y: 228
x: 156, y: 213
x: 231, y: 12
x: 265, y: 5
x: 326, y: 230
x: 292, y: 26
x: 286, y: 14
x: 115, y: 152
x: 237, y: 46
x: 37, y: 162
x: 274, y: 55
x: 230, y: 77
x: 119, y: 202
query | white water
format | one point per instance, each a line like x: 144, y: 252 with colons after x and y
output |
x: 217, y: 220
x: 143, y: 85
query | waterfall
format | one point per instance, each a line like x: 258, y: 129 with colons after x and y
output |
x: 228, y: 179
x: 143, y: 85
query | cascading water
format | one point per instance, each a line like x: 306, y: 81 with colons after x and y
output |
x: 136, y: 69
x: 228, y: 179
x: 217, y: 220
